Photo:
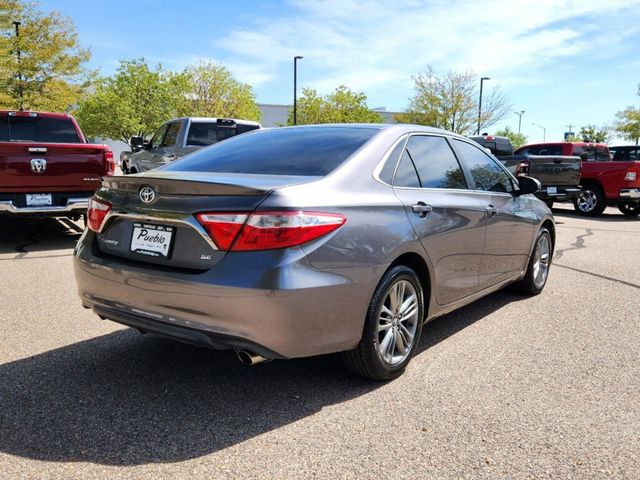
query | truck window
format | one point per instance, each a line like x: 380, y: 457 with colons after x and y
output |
x: 171, y: 135
x: 38, y: 129
x: 202, y: 134
x: 587, y: 154
x: 602, y: 154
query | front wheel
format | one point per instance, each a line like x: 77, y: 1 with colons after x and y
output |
x: 629, y: 209
x: 538, y: 268
x: 591, y: 201
x: 392, y: 327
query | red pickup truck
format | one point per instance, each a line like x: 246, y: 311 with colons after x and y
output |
x: 46, y: 165
x: 603, y: 181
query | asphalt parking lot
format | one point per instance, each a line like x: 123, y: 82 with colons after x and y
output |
x: 509, y: 387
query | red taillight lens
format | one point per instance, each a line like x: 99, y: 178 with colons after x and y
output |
x: 96, y: 213
x: 109, y: 163
x: 522, y: 168
x: 268, y: 230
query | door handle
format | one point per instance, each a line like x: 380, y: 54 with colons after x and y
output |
x: 491, y: 210
x: 421, y: 209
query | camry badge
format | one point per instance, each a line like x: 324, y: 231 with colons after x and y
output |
x: 38, y: 165
x: 147, y: 194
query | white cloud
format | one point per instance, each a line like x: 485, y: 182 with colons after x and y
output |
x: 376, y: 44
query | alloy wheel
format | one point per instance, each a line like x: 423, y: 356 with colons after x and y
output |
x: 587, y: 201
x: 541, y: 261
x: 398, y: 322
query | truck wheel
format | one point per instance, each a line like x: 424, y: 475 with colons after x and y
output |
x: 392, y: 327
x: 591, y: 202
x: 629, y: 209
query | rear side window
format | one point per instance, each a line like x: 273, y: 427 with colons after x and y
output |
x: 386, y: 174
x: 406, y: 175
x: 38, y: 129
x: 435, y: 162
x: 202, y: 134
x: 487, y: 174
x: 310, y: 151
x: 587, y: 153
x: 602, y: 154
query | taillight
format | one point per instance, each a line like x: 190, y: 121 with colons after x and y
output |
x: 109, y: 163
x: 96, y: 213
x: 267, y: 230
x: 523, y: 168
x: 631, y: 176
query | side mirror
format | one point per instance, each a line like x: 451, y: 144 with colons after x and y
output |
x: 528, y: 185
x: 137, y: 143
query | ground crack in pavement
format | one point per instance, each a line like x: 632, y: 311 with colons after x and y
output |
x: 577, y: 245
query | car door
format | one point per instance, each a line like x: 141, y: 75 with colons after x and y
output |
x: 166, y: 150
x: 144, y: 158
x: 447, y: 217
x: 510, y: 220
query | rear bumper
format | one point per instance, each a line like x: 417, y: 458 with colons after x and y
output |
x: 630, y: 194
x: 73, y: 205
x: 558, y: 193
x: 273, y: 303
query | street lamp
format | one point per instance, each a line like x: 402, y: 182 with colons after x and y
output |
x: 544, y: 132
x: 295, y: 88
x: 520, y: 113
x: 17, y: 25
x: 480, y: 102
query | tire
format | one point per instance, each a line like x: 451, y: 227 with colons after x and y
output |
x: 538, y: 268
x: 379, y: 355
x: 591, y: 201
x: 629, y: 209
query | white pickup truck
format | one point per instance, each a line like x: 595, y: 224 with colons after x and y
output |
x: 178, y: 137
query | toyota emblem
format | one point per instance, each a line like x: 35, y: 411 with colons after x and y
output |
x: 147, y: 194
x: 38, y: 165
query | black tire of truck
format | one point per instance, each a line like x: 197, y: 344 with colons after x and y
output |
x: 629, y: 209
x: 591, y: 202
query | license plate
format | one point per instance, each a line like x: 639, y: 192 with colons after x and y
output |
x: 552, y: 190
x: 151, y: 240
x: 38, y: 199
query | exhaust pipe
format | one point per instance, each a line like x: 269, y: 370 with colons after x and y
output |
x: 249, y: 358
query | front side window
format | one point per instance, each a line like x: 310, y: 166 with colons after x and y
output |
x: 487, y: 174
x: 587, y: 153
x: 157, y: 137
x: 171, y: 135
x: 435, y: 162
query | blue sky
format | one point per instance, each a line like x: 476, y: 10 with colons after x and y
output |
x: 562, y: 62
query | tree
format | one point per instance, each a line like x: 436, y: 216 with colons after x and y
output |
x: 516, y: 139
x: 341, y: 106
x: 134, y: 101
x: 42, y: 68
x: 451, y: 102
x: 213, y: 92
x: 593, y: 134
x: 628, y: 123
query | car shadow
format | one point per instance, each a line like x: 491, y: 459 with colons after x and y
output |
x: 25, y: 235
x: 127, y: 399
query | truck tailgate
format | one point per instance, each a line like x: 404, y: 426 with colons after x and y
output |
x: 28, y: 167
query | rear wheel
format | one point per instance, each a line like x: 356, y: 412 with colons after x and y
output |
x: 392, y: 327
x: 591, y: 202
x: 630, y: 209
x: 538, y: 269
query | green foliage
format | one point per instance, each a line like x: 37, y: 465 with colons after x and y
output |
x: 341, y: 106
x: 136, y: 100
x: 516, y: 139
x: 593, y: 134
x: 49, y: 73
x: 628, y: 123
x: 213, y: 92
x: 451, y: 102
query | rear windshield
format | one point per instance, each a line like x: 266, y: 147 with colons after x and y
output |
x: 309, y: 151
x: 37, y: 129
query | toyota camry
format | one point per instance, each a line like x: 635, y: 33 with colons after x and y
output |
x: 300, y: 241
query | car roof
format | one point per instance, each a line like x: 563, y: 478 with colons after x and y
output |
x: 214, y: 119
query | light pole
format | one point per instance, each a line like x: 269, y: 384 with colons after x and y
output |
x: 480, y: 102
x: 17, y: 25
x: 520, y: 113
x: 295, y: 88
x: 544, y: 132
